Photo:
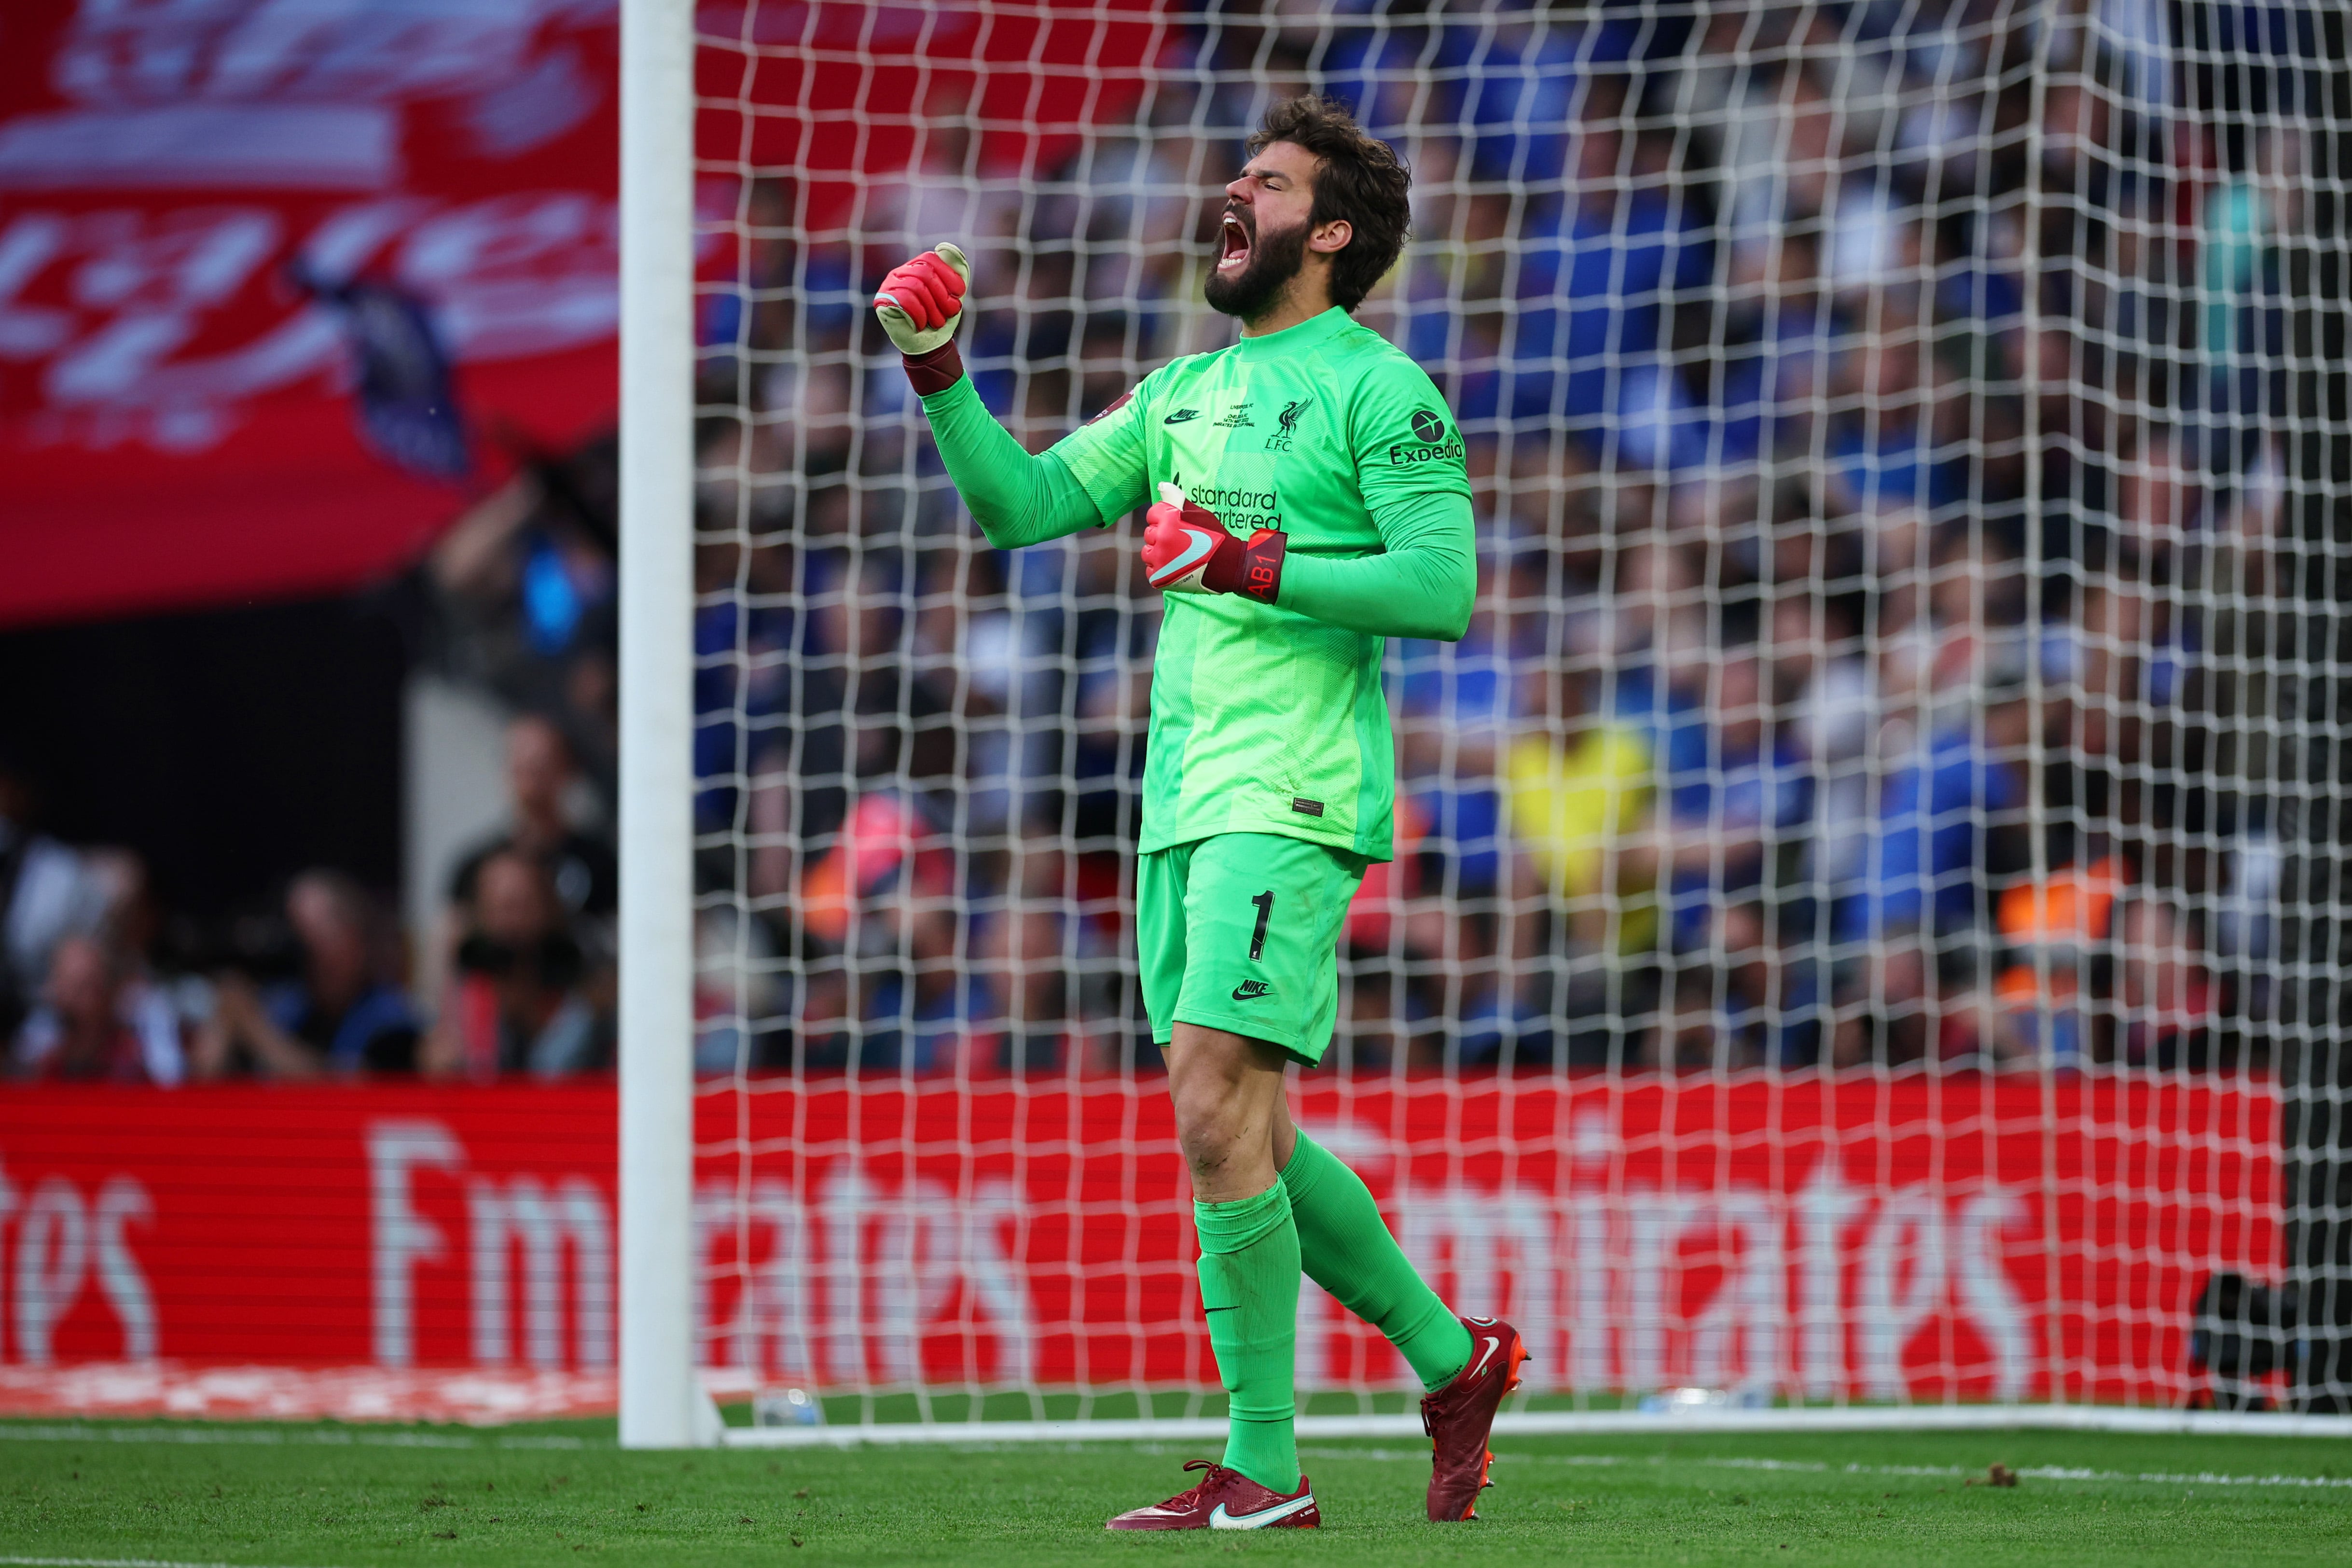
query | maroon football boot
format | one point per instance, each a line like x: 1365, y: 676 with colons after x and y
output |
x: 1459, y: 1416
x: 1226, y: 1499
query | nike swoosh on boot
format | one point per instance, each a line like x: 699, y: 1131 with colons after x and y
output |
x: 1218, y: 1518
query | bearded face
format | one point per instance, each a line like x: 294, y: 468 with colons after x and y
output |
x: 1254, y: 266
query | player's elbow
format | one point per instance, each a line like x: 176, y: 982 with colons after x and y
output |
x: 997, y: 528
x: 1453, y: 578
x: 1449, y: 618
x: 1008, y: 522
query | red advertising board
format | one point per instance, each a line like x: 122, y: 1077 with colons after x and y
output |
x: 1969, y: 1237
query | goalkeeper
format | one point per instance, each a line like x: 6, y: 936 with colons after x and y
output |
x: 1307, y: 497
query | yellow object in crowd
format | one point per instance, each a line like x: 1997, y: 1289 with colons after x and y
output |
x: 1577, y: 803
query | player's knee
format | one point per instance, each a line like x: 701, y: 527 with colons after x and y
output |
x: 1209, y: 1116
x: 1226, y: 1090
x: 1211, y: 1105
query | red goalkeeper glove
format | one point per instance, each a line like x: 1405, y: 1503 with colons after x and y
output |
x: 920, y: 305
x: 1187, y: 550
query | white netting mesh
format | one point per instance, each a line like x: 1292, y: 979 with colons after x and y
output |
x: 1863, y: 901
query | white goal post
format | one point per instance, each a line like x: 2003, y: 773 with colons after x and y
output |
x: 660, y: 1403
x: 1913, y: 481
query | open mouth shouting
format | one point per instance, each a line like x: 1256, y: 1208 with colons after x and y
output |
x: 1254, y: 264
x: 1234, y: 242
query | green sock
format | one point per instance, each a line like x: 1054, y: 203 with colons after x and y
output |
x: 1249, y: 1283
x: 1345, y: 1247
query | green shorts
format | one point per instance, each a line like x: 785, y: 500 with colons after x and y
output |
x: 1241, y: 932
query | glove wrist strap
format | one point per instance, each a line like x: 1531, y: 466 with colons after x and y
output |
x: 1253, y: 570
x: 934, y: 372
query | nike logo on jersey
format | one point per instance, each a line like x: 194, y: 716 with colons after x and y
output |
x: 1492, y: 1344
x: 1250, y: 990
x: 1221, y: 1520
x: 1181, y: 416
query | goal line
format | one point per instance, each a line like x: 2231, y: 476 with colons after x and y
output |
x: 1583, y: 1423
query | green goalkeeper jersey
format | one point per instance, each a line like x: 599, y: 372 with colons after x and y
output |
x: 1265, y: 719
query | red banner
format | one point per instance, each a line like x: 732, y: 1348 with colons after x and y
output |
x: 189, y: 195
x: 1868, y: 1239
x: 283, y: 285
x: 840, y: 90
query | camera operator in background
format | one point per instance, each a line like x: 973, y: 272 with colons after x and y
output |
x: 524, y: 995
x: 581, y: 865
x: 343, y: 1016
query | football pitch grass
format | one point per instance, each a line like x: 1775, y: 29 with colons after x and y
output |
x: 344, y: 1497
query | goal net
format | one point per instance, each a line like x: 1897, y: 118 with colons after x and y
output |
x: 1866, y: 927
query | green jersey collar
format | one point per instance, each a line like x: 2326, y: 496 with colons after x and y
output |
x: 1310, y: 333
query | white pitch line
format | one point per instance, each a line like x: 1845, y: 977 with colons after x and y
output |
x: 269, y: 1436
x: 117, y: 1563
x: 1578, y: 1424
x: 1816, y: 1467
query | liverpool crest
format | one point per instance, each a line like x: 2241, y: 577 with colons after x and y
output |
x: 1289, y: 422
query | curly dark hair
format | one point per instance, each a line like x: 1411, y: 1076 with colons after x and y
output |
x: 1357, y: 178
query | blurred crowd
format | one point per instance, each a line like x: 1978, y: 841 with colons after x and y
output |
x: 1876, y: 416
x: 1875, y: 413
x: 515, y: 979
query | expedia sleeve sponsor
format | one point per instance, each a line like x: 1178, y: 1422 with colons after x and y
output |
x: 1433, y: 441
x: 1402, y: 435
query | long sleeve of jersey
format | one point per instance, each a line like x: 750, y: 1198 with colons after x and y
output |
x: 1421, y: 585
x: 1016, y: 497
